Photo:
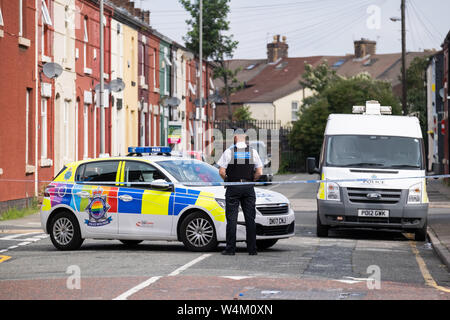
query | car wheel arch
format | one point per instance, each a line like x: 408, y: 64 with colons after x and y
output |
x: 186, y: 214
x: 55, y: 212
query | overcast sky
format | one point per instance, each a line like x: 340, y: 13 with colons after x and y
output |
x: 316, y: 27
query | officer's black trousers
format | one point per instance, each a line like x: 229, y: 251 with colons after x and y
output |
x: 245, y: 196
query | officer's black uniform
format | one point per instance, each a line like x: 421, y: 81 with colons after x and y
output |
x: 240, y: 169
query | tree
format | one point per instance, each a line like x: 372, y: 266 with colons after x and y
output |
x: 338, y: 95
x: 417, y: 95
x: 243, y: 114
x: 217, y: 46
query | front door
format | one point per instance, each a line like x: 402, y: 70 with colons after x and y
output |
x: 95, y: 197
x: 143, y: 209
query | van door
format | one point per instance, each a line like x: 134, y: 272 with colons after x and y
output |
x: 144, y: 209
x: 95, y: 196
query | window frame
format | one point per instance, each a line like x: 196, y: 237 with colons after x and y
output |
x: 46, y: 18
x: 44, y: 126
x: 127, y: 184
x: 84, y: 165
x: 2, y: 23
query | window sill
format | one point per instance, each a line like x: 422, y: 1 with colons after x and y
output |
x: 1, y: 171
x: 46, y: 163
x: 156, y: 90
x: 1, y: 33
x: 44, y: 58
x: 29, y: 169
x: 24, y: 42
x: 88, y: 71
x: 143, y: 86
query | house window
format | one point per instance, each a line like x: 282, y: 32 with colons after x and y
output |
x: 44, y: 145
x: 66, y: 129
x: 1, y: 18
x: 46, y: 14
x: 28, y: 128
x: 21, y: 18
x: 85, y: 48
x: 294, y: 110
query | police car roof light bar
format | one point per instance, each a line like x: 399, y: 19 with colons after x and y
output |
x: 148, y: 150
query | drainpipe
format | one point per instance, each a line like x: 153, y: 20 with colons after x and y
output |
x: 36, y: 105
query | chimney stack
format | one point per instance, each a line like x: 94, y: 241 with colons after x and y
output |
x: 147, y: 17
x: 277, y: 49
x: 364, y: 47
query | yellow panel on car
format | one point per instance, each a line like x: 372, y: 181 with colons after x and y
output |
x: 155, y: 202
x: 207, y: 201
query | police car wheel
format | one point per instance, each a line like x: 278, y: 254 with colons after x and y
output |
x: 265, y: 244
x: 65, y: 232
x: 198, y: 233
x: 131, y: 243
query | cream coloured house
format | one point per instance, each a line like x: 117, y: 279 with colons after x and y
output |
x: 66, y: 113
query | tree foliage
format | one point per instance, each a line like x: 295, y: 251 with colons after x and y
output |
x: 217, y: 45
x: 334, y: 94
x: 243, y: 114
x: 416, y: 90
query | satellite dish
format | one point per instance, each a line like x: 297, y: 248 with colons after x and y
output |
x: 52, y: 70
x: 164, y: 101
x: 117, y: 85
x: 173, y: 101
x: 215, y: 97
x: 106, y: 87
x: 441, y: 93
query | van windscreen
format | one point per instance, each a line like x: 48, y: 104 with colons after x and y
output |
x: 384, y: 152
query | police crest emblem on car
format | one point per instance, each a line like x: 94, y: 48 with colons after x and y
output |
x: 97, y: 209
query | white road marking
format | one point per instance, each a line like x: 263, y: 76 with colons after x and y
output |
x: 137, y: 288
x: 189, y: 264
x: 151, y: 280
x: 237, y: 277
x: 23, y: 241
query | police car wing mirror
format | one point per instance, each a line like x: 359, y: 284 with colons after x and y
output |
x: 311, y: 166
x: 161, y: 184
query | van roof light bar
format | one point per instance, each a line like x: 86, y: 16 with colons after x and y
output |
x: 138, y: 151
x: 372, y: 107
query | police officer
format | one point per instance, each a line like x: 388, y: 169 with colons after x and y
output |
x: 240, y: 163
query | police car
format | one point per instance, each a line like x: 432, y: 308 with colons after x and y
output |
x: 151, y: 195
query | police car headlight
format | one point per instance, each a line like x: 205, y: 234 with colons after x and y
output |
x: 333, y: 191
x: 221, y: 203
x: 415, y: 194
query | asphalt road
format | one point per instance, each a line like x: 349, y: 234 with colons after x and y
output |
x: 345, y: 266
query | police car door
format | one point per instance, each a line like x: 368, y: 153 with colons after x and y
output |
x: 144, y: 209
x: 95, y: 196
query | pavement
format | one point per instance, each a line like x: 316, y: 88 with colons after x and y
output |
x: 439, y: 221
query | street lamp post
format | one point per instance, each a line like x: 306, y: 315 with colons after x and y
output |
x: 404, y: 89
x: 102, y: 84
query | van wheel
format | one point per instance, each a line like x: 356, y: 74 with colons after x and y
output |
x: 321, y: 230
x: 198, y: 233
x: 131, y: 243
x: 421, y: 234
x: 265, y: 244
x: 65, y: 231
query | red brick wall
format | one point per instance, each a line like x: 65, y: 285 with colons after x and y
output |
x: 18, y: 73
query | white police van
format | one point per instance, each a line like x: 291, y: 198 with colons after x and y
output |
x: 386, y: 153
x: 151, y: 195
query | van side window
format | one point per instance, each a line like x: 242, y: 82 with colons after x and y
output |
x: 102, y: 171
x: 141, y: 172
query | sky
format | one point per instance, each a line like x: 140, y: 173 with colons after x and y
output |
x: 316, y: 27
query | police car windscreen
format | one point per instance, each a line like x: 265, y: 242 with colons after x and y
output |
x: 186, y: 171
x: 384, y: 152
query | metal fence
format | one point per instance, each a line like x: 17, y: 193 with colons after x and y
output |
x: 290, y: 159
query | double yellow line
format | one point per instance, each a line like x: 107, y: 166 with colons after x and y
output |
x: 429, y: 281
